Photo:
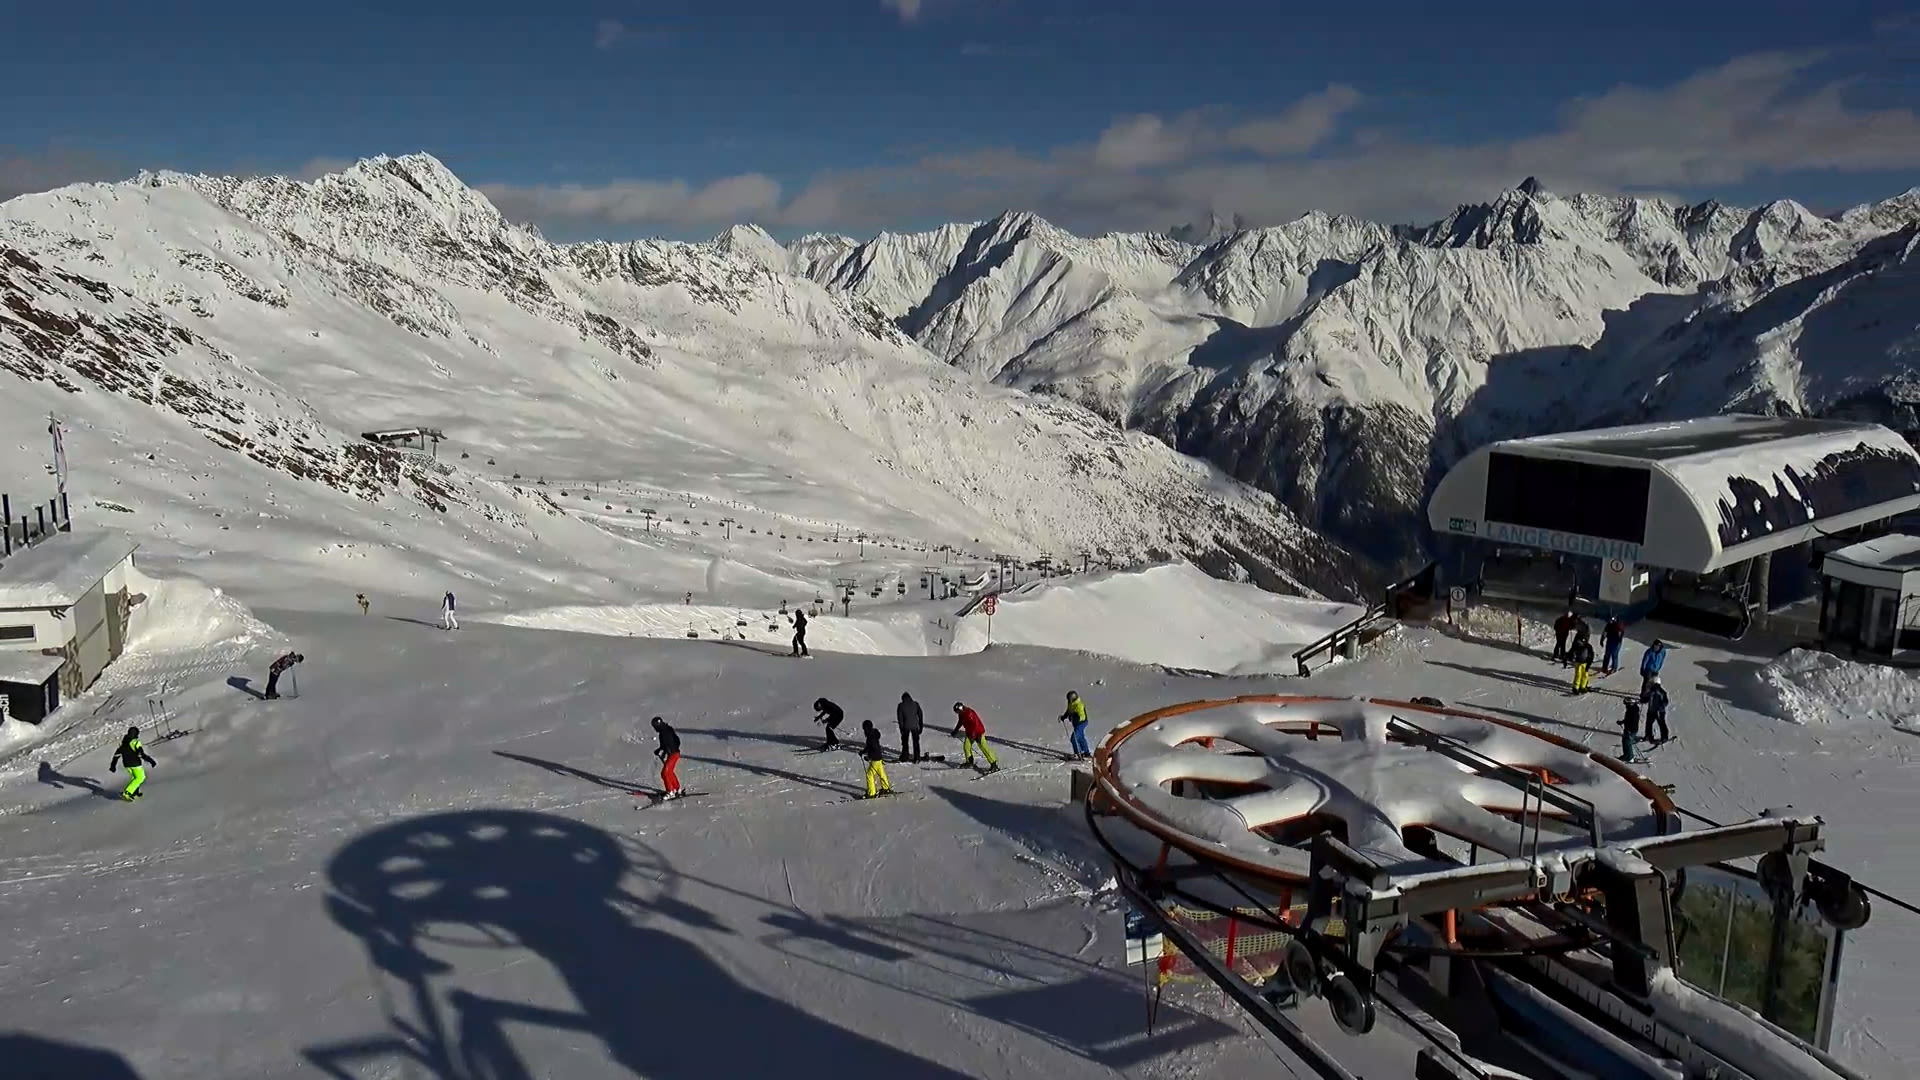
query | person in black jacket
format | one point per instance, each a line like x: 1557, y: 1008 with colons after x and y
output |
x: 911, y: 721
x: 669, y: 754
x: 1582, y: 656
x: 278, y: 668
x: 133, y: 756
x: 1612, y: 636
x: 800, y: 633
x: 1656, y: 699
x: 826, y: 712
x: 877, y: 782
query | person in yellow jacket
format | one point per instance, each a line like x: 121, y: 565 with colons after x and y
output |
x: 134, y: 757
x: 1076, y: 715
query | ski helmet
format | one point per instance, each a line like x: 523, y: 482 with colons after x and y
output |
x: 133, y: 731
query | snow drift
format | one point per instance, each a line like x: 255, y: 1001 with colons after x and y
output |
x: 1805, y: 686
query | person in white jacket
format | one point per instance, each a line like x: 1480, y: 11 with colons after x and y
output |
x: 447, y: 620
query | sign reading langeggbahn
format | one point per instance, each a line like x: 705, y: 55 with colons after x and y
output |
x: 1547, y: 539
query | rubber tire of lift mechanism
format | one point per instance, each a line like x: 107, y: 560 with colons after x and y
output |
x: 1775, y: 874
x: 1845, y: 909
x: 1302, y: 968
x: 1352, y: 1008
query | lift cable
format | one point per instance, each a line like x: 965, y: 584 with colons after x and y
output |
x: 1861, y: 885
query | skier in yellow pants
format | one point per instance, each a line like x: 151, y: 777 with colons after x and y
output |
x: 976, y: 734
x: 1582, y: 656
x: 133, y: 756
x: 877, y: 782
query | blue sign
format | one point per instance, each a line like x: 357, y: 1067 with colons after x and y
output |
x: 1571, y: 543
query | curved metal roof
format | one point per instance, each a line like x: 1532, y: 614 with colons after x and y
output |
x: 1717, y: 490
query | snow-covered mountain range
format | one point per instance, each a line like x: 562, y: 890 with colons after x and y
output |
x: 1003, y: 385
x: 1340, y: 364
x: 216, y: 346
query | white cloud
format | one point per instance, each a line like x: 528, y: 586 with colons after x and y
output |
x: 748, y: 196
x: 1150, y: 141
x: 909, y: 10
x: 1755, y: 116
x: 608, y: 32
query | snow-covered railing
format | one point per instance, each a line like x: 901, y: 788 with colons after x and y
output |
x: 1337, y: 639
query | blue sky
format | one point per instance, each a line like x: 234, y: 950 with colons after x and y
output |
x: 676, y: 118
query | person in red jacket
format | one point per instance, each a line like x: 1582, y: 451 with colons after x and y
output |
x: 976, y: 734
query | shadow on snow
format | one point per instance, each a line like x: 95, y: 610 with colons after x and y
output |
x: 31, y: 1057
x: 426, y: 894
x: 436, y: 898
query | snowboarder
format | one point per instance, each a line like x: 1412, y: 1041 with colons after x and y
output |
x: 1076, y: 715
x: 1562, y: 629
x: 976, y: 735
x: 800, y: 634
x: 911, y: 721
x: 877, y: 782
x: 1629, y: 729
x: 1651, y: 662
x: 361, y: 599
x: 826, y: 712
x: 1612, y: 636
x: 1582, y: 656
x: 669, y: 754
x: 1656, y: 698
x: 276, y: 669
x: 447, y: 619
x: 134, y: 757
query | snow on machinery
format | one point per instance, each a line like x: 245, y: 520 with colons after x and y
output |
x: 1510, y: 902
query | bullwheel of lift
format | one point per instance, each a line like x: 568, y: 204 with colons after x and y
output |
x: 1302, y: 968
x: 1352, y: 1007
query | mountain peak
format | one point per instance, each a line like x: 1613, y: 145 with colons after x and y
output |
x: 1532, y: 186
x: 755, y: 244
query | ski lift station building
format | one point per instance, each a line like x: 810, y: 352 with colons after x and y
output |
x: 64, y: 606
x: 1689, y: 512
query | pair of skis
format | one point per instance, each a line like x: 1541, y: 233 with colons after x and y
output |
x: 657, y: 798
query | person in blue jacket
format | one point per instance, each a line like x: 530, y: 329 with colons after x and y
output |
x: 1651, y: 662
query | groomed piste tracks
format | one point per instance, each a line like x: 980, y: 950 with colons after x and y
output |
x: 1445, y: 868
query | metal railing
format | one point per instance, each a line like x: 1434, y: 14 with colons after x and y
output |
x: 1339, y: 636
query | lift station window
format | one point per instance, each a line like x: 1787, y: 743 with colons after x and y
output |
x: 1606, y: 501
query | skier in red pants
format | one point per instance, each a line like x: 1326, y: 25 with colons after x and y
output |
x: 669, y: 755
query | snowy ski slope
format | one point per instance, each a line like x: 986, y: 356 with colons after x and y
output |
x: 431, y: 864
x: 217, y: 347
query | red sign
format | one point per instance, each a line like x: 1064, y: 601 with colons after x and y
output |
x: 992, y: 602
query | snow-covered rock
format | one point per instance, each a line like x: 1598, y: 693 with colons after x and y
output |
x: 217, y: 344
x: 1341, y: 364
